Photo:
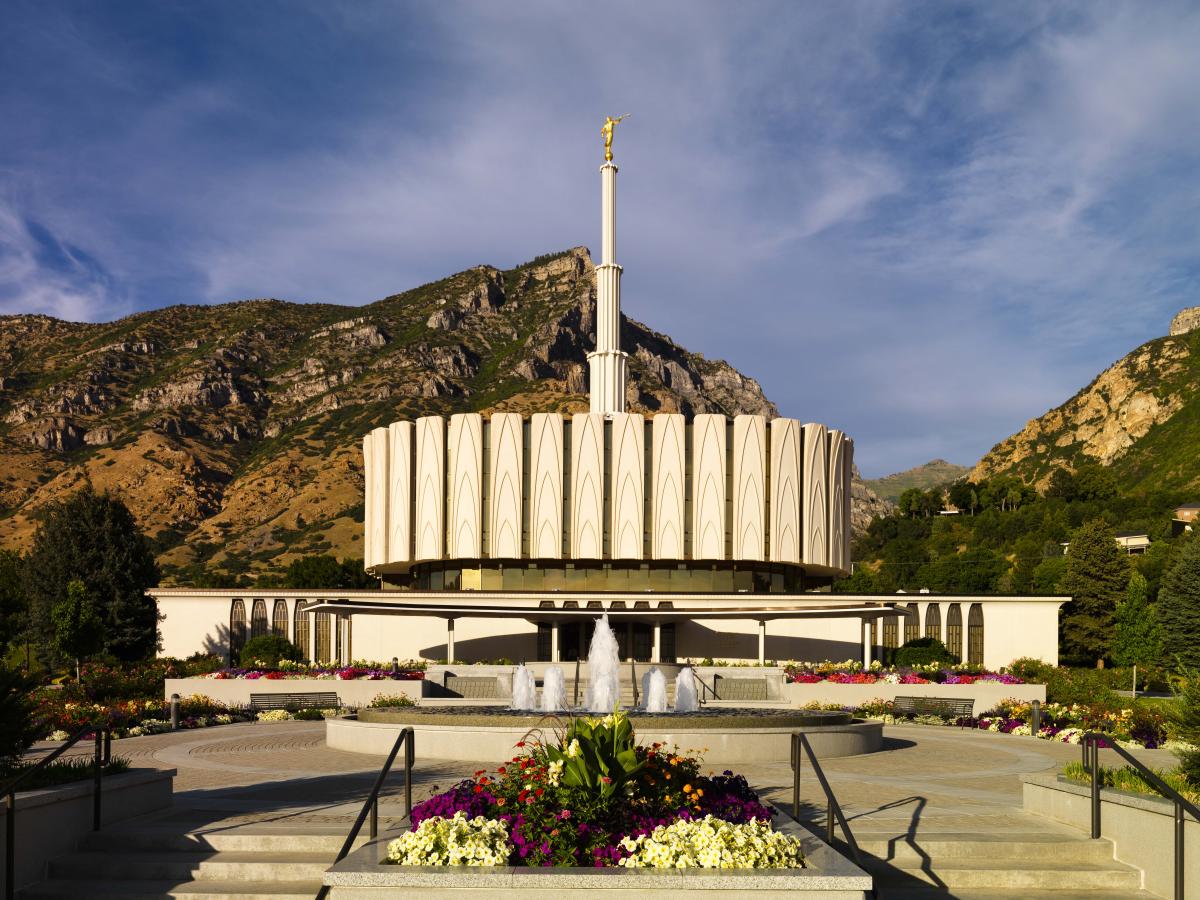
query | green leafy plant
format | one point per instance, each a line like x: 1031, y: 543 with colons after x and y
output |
x: 18, y: 715
x: 391, y: 701
x: 1127, y: 778
x: 1187, y: 726
x: 78, y: 630
x: 598, y: 755
x: 922, y: 652
x: 269, y: 650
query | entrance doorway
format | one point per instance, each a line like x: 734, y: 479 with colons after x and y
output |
x: 634, y: 639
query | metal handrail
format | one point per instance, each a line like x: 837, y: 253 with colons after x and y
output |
x: 371, y: 805
x: 103, y: 755
x: 832, y: 809
x: 704, y: 688
x: 1090, y: 743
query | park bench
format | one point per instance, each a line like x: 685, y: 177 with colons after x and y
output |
x: 742, y: 689
x: 474, y: 687
x: 317, y: 699
x: 946, y: 707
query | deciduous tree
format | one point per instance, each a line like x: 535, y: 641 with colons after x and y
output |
x: 1137, y: 640
x: 78, y: 630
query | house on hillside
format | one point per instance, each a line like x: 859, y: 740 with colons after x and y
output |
x: 1134, y: 543
x: 1185, y: 516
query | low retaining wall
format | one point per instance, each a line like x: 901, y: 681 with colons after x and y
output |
x: 51, y: 821
x: 476, y: 742
x: 830, y: 876
x: 237, y: 691
x: 1141, y: 827
x: 985, y: 694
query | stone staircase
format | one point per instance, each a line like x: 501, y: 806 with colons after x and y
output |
x: 216, y: 860
x: 1042, y: 863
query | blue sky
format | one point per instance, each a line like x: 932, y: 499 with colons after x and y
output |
x: 924, y: 223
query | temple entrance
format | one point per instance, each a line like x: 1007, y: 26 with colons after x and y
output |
x: 634, y: 639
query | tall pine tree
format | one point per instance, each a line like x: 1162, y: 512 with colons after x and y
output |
x: 1179, y: 607
x: 1096, y: 578
x: 93, y: 537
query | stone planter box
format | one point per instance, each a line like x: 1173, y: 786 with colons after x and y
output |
x: 237, y: 691
x: 51, y: 821
x: 985, y: 694
x: 1141, y: 828
x: 830, y: 876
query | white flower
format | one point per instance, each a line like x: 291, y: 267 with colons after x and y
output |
x: 573, y: 748
x: 554, y: 772
x: 457, y: 841
x: 712, y: 843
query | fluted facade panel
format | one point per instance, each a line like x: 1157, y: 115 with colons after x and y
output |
x: 504, y: 502
x: 400, y: 482
x: 838, y: 523
x: 431, y: 487
x: 708, y: 487
x: 786, y: 491
x: 628, y: 475
x: 815, y: 513
x: 546, y: 486
x: 587, y: 486
x: 375, y: 496
x: 465, y: 536
x: 668, y: 446
x: 749, y: 487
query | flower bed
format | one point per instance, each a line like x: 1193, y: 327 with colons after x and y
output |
x: 1132, y: 728
x: 594, y: 797
x: 851, y: 672
x: 63, y: 715
x: 409, y: 670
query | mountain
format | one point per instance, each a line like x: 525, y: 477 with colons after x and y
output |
x: 233, y: 431
x: 1140, y: 417
x: 932, y: 474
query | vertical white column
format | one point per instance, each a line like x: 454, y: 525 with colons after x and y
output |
x: 656, y: 650
x: 866, y: 642
x: 312, y: 634
x: 449, y: 642
x: 555, y: 655
x: 606, y: 364
x: 762, y: 641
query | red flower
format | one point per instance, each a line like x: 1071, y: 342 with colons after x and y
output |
x: 479, y: 788
x: 520, y: 743
x: 539, y: 791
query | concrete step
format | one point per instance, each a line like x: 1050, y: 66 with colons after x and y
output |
x: 1033, y: 846
x: 217, y: 840
x: 56, y: 889
x: 1008, y: 874
x: 178, y: 865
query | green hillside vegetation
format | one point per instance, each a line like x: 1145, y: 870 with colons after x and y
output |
x: 936, y: 473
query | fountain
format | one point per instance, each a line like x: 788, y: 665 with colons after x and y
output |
x: 604, y: 661
x: 685, y: 691
x: 654, y: 688
x: 524, y: 690
x: 554, y: 690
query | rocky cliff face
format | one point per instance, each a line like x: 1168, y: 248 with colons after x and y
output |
x: 233, y: 431
x: 1141, y: 417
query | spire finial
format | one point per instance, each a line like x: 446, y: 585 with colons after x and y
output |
x: 607, y: 130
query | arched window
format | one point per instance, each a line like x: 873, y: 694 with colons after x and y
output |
x: 891, y: 633
x: 300, y: 626
x: 279, y: 619
x: 954, y: 630
x: 237, y: 629
x: 933, y: 621
x: 912, y: 624
x: 975, y: 635
x: 324, y: 637
x: 258, y: 619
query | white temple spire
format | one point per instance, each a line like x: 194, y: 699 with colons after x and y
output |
x: 607, y: 362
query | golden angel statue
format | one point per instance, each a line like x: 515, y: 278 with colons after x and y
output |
x: 607, y: 130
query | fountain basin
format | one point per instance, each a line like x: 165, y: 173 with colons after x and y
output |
x: 726, y: 736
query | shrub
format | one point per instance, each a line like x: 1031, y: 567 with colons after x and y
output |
x: 922, y: 652
x: 202, y: 664
x: 18, y: 715
x: 310, y: 714
x: 1187, y: 722
x: 268, y: 650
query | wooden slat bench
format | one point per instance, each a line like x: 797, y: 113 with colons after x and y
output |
x: 475, y: 687
x: 946, y: 707
x: 317, y: 699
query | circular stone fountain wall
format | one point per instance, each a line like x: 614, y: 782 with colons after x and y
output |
x: 724, y: 735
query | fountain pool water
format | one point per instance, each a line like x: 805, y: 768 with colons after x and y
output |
x: 654, y: 687
x: 685, y: 691
x: 604, y: 662
x: 524, y: 690
x: 554, y: 690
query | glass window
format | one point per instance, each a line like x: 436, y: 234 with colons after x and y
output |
x: 279, y: 622
x: 324, y: 637
x: 258, y: 619
x: 300, y: 627
x: 933, y: 621
x: 975, y: 635
x: 954, y: 632
x: 237, y: 629
x: 912, y: 624
x: 891, y: 633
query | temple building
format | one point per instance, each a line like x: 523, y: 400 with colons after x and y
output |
x: 504, y: 537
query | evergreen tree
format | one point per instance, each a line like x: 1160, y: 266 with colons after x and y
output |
x: 93, y: 537
x: 1137, y: 640
x: 1179, y: 607
x: 1187, y: 724
x: 327, y: 572
x: 78, y: 631
x: 1096, y: 578
x: 13, y: 609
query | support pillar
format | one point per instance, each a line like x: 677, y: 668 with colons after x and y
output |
x: 555, y: 653
x: 449, y: 641
x: 312, y: 633
x: 866, y: 642
x: 656, y: 648
x: 762, y: 641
